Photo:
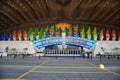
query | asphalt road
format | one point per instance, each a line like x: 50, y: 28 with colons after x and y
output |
x: 60, y: 68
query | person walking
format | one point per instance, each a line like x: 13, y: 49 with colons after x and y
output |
x: 1, y: 56
x: 39, y: 57
x: 23, y: 56
x: 91, y: 55
x: 14, y: 56
x: 83, y: 54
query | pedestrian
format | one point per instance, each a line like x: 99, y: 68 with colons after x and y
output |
x: 88, y: 55
x: 91, y: 55
x: 23, y: 56
x: 1, y: 56
x: 108, y: 56
x: 118, y: 57
x: 39, y: 56
x: 99, y: 53
x: 83, y: 54
x: 100, y: 58
x: 14, y: 56
x: 56, y: 56
x: 73, y: 56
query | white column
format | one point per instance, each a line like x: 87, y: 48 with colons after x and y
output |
x: 63, y: 39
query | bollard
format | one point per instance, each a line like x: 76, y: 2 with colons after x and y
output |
x: 101, y: 66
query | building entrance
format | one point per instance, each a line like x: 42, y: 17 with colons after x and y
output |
x: 69, y: 51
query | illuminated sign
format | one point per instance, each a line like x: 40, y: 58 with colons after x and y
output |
x: 76, y: 41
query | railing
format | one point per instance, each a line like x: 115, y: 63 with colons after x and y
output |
x: 112, y: 53
x: 55, y: 52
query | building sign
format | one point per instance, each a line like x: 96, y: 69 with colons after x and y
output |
x: 76, y: 41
